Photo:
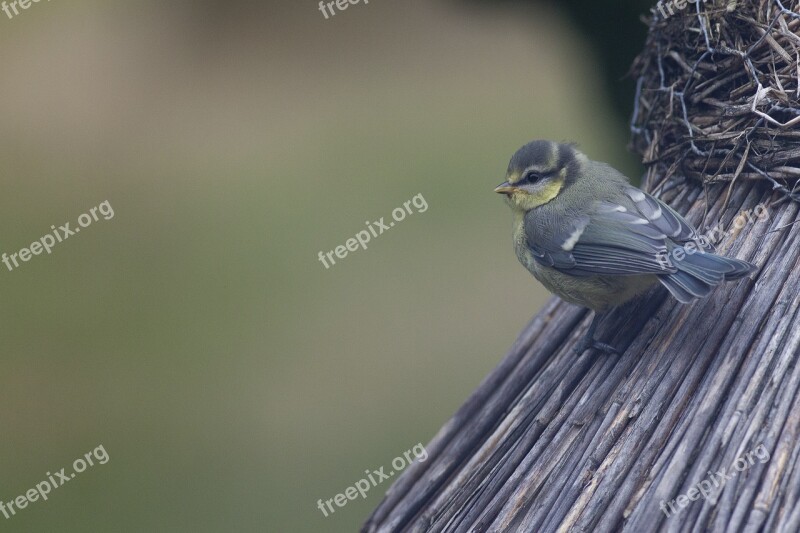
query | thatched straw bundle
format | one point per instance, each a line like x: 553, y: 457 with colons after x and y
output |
x: 718, y: 97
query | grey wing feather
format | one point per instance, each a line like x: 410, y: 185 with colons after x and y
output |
x: 661, y: 216
x: 614, y: 240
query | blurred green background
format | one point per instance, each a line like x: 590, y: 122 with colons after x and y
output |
x: 231, y: 378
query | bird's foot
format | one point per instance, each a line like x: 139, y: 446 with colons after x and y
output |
x: 597, y: 345
x: 588, y: 341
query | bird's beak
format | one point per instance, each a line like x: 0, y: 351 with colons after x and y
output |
x: 504, y: 188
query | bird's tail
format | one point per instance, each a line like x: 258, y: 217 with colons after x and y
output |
x: 697, y: 274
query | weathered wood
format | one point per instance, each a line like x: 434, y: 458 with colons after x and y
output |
x: 555, y: 442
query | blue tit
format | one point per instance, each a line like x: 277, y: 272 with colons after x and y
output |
x: 594, y: 240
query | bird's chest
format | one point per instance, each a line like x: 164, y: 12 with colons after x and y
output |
x: 521, y: 247
x: 530, y: 230
x: 555, y: 281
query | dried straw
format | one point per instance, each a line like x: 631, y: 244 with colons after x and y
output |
x: 733, y: 67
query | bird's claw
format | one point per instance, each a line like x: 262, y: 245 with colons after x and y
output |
x: 607, y: 349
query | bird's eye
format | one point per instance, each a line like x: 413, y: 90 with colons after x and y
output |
x: 532, y: 177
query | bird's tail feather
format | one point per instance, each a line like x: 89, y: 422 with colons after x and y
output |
x: 697, y: 275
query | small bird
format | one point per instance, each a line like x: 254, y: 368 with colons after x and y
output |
x: 594, y: 240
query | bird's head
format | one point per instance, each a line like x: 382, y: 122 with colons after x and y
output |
x: 538, y: 172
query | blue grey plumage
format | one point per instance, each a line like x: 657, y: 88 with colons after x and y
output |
x: 594, y: 240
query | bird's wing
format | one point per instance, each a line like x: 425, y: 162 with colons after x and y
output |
x: 613, y: 239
